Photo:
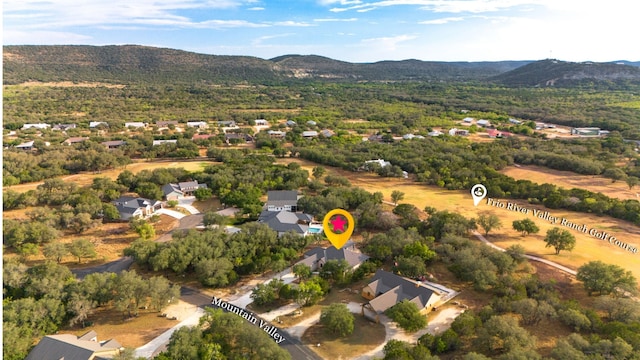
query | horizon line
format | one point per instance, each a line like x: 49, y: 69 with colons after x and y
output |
x: 327, y: 57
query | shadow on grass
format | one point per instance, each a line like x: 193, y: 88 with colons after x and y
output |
x: 366, y: 336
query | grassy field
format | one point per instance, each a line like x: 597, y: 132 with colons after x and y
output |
x: 134, y: 332
x: 366, y: 336
x: 569, y: 180
x: 87, y: 178
x: 588, y: 248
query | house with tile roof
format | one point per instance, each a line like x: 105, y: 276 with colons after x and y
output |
x: 71, y: 347
x: 317, y: 257
x: 387, y: 289
x: 131, y: 207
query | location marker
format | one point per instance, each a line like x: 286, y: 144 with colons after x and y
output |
x: 338, y: 226
x: 479, y: 192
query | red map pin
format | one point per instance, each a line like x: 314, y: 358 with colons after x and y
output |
x: 338, y: 226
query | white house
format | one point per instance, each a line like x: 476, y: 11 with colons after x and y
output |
x: 468, y: 120
x: 483, y: 123
x: 309, y: 134
x: 458, y: 132
x: 29, y: 145
x: 130, y: 207
x: 162, y: 142
x: 276, y: 133
x: 36, y: 126
x: 435, y: 133
x: 380, y: 162
x: 197, y: 124
x: 278, y: 200
x: 94, y: 124
x: 261, y: 122
x: 135, y: 124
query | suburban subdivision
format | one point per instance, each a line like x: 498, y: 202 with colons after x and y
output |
x: 182, y: 215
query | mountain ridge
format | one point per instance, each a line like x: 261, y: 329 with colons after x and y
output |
x: 137, y: 63
x: 554, y: 72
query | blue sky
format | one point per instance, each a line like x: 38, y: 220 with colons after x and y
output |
x: 349, y: 30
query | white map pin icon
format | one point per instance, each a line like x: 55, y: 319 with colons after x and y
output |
x: 479, y: 192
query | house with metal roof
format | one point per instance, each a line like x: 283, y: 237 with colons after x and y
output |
x: 387, y: 289
x: 74, y: 140
x: 113, y: 144
x: 93, y: 124
x: 278, y: 200
x: 64, y: 127
x: 309, y: 134
x: 163, y: 142
x: 135, y: 124
x: 40, y: 126
x: 130, y: 207
x: 71, y: 347
x: 317, y: 257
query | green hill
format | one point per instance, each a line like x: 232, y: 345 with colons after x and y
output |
x: 558, y: 73
x: 132, y: 63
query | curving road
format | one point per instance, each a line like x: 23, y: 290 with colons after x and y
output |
x: 530, y: 257
x: 297, y: 350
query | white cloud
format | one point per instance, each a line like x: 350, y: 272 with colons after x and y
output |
x: 17, y: 37
x: 441, y: 21
x: 260, y: 40
x: 292, y: 23
x: 341, y: 2
x: 387, y: 43
x: 336, y: 20
x: 257, y: 8
x: 37, y: 14
x: 449, y: 6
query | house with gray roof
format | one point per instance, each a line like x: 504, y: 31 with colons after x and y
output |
x: 113, y: 144
x: 284, y: 221
x: 278, y: 200
x: 317, y: 257
x: 387, y: 289
x: 181, y: 190
x: 130, y: 207
x: 71, y: 347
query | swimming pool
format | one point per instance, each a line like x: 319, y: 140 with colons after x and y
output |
x: 315, y: 230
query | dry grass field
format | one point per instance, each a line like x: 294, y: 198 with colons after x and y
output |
x: 569, y: 180
x: 109, y: 323
x: 87, y: 178
x: 366, y: 336
x: 588, y: 248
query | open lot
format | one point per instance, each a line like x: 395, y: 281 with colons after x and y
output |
x: 569, y: 180
x: 366, y: 336
x: 588, y: 248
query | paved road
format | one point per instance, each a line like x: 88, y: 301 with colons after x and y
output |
x: 115, y: 266
x: 297, y: 350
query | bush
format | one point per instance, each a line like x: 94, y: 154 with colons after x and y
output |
x: 407, y: 315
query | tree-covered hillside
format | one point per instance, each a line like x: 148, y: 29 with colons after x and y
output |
x: 553, y: 72
x: 141, y: 64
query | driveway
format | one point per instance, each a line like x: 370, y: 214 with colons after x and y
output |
x: 187, y: 222
x: 187, y: 204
